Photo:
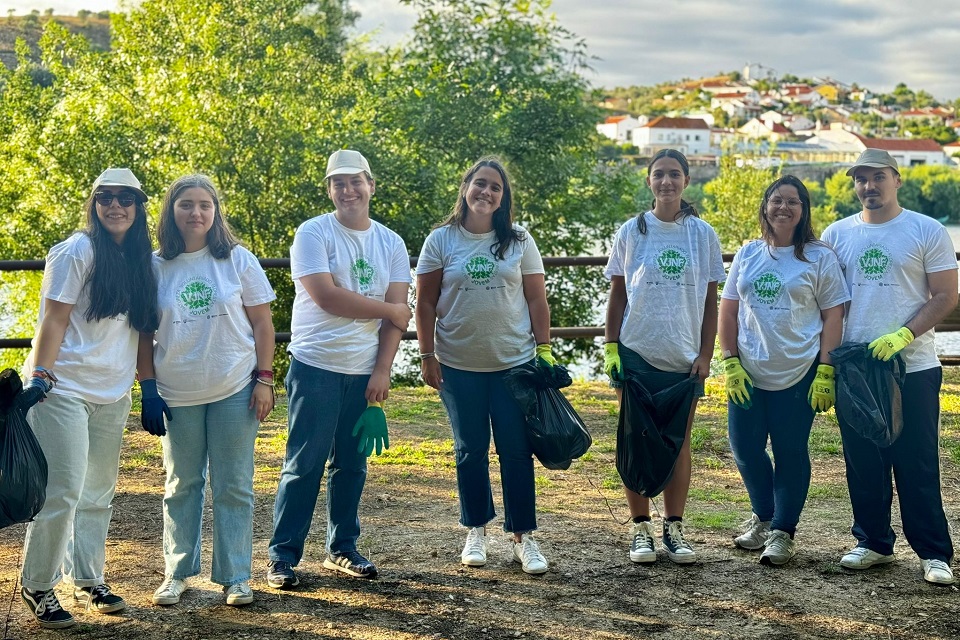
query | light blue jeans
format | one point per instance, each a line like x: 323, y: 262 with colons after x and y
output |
x: 81, y: 441
x: 222, y: 434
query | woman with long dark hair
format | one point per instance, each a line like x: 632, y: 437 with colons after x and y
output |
x: 209, y: 369
x: 781, y: 314
x: 98, y: 293
x: 482, y: 310
x: 662, y: 316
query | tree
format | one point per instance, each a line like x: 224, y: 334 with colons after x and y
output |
x: 840, y: 195
x: 734, y: 197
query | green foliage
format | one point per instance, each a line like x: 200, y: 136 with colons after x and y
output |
x: 734, y: 198
x: 933, y: 190
x: 841, y: 195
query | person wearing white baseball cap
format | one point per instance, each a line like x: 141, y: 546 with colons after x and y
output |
x: 99, y: 290
x: 351, y: 275
x: 901, y: 269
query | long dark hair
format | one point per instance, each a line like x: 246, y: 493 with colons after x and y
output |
x: 502, y: 217
x: 686, y: 209
x: 803, y: 232
x: 122, y: 278
x: 220, y: 238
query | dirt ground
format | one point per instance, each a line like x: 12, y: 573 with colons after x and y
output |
x: 409, y: 516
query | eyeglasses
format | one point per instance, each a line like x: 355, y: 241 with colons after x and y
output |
x: 105, y: 198
x: 776, y: 203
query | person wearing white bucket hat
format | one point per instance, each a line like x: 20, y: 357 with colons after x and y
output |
x: 901, y: 268
x: 351, y: 275
x: 98, y: 292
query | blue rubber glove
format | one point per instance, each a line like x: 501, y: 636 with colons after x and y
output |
x: 371, y: 430
x: 35, y: 391
x: 153, y: 408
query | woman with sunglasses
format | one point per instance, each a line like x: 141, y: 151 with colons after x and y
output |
x: 98, y: 293
x: 211, y: 361
x: 781, y: 314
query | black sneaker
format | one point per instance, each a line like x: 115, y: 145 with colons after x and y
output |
x: 352, y: 564
x: 99, y: 598
x: 46, y: 609
x: 280, y: 575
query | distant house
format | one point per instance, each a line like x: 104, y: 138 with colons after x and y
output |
x: 764, y: 129
x: 908, y: 152
x: 689, y: 135
x: 953, y: 151
x: 939, y: 114
x: 618, y: 128
x: 832, y: 92
x: 737, y: 105
x: 801, y: 94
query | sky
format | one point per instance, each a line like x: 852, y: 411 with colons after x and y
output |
x: 876, y: 43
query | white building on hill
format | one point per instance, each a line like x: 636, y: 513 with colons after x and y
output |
x: 689, y: 135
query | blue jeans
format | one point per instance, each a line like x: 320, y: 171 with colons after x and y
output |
x: 223, y: 434
x: 81, y: 442
x: 323, y: 408
x: 475, y: 401
x: 777, y: 489
x: 913, y: 461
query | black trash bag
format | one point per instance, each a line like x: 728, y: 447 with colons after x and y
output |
x: 556, y: 433
x: 869, y: 392
x: 652, y: 428
x: 23, y: 467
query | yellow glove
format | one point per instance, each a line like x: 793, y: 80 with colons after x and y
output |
x: 738, y: 383
x: 611, y: 362
x: 887, y: 346
x: 545, y: 356
x: 822, y: 393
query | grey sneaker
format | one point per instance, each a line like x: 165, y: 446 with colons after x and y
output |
x: 474, y: 552
x: 678, y: 549
x: 937, y: 572
x: 778, y: 549
x: 238, y: 594
x: 169, y: 592
x: 754, y: 534
x: 642, y: 549
x: 863, y: 558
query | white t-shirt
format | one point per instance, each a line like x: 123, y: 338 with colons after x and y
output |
x: 666, y: 271
x: 204, y: 349
x: 365, y: 262
x: 886, y: 267
x: 97, y: 360
x: 483, y: 322
x: 780, y: 298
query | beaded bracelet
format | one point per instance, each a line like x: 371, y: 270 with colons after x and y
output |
x: 268, y: 383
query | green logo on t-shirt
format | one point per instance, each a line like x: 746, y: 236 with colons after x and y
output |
x: 768, y: 287
x: 874, y: 262
x: 481, y: 269
x: 197, y: 296
x: 364, y: 273
x: 672, y: 262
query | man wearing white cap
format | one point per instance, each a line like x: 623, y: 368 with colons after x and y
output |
x: 901, y: 269
x: 351, y: 276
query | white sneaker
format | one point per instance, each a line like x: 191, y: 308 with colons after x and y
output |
x: 863, y: 558
x: 642, y: 549
x: 474, y: 552
x: 678, y: 549
x: 527, y: 553
x: 238, y: 594
x: 169, y: 592
x: 754, y: 535
x: 778, y: 548
x: 937, y: 572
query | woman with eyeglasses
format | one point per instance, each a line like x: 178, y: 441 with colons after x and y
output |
x: 781, y: 313
x: 209, y: 370
x: 98, y: 293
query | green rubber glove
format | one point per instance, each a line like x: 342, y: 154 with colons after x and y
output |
x: 738, y: 384
x: 545, y: 356
x: 371, y: 430
x: 823, y: 393
x: 611, y: 362
x: 887, y: 346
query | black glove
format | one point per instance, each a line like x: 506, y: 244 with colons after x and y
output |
x: 34, y: 392
x: 153, y: 408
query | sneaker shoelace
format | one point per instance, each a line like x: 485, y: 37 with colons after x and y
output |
x: 474, y: 543
x: 642, y: 539
x: 47, y: 604
x: 778, y: 541
x: 96, y: 594
x: 675, y: 533
x: 530, y: 551
x: 751, y: 527
x: 938, y: 564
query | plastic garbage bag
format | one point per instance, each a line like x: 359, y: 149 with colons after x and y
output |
x: 652, y: 428
x: 556, y: 433
x: 23, y: 467
x: 869, y: 392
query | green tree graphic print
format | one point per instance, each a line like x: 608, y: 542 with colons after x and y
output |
x: 768, y: 287
x: 364, y: 273
x: 196, y: 296
x: 481, y: 269
x: 874, y: 262
x: 672, y: 262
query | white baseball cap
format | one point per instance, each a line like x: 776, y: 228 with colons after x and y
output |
x: 347, y: 161
x: 120, y: 177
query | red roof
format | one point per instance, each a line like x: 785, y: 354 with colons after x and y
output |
x: 663, y: 122
x: 779, y: 128
x: 901, y: 144
x: 615, y: 119
x: 730, y: 95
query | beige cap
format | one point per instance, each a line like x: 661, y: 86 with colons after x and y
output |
x: 347, y: 161
x: 120, y: 177
x: 876, y: 158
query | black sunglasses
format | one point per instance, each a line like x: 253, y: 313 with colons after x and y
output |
x: 105, y: 198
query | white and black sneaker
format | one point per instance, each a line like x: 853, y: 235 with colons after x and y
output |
x: 99, y: 598
x: 46, y: 609
x: 642, y: 549
x: 677, y: 547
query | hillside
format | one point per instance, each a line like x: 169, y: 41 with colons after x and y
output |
x: 94, y: 27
